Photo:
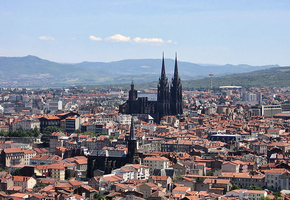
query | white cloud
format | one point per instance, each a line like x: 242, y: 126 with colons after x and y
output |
x: 46, y: 38
x: 148, y: 40
x: 169, y: 41
x: 118, y: 38
x: 95, y: 38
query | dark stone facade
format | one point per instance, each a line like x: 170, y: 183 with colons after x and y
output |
x: 169, y: 98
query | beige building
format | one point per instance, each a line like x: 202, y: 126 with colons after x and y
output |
x: 244, y: 180
x: 162, y: 180
x: 26, y: 124
x: 156, y: 163
x: 229, y: 166
x: 57, y: 171
x: 27, y: 155
x: 146, y: 189
x: 24, y: 181
x: 13, y: 156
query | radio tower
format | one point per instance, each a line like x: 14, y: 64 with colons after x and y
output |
x: 211, y: 75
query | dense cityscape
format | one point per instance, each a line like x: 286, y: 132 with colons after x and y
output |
x: 144, y: 100
x: 78, y: 143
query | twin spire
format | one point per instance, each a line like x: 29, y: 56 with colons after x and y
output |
x: 163, y: 74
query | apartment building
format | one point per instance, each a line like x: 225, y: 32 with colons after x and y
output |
x: 13, y: 156
x: 57, y: 171
x: 156, y: 163
x: 24, y: 181
x: 277, y: 179
x: 28, y: 154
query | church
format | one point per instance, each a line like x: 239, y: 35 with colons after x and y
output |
x: 169, y: 98
x: 107, y: 160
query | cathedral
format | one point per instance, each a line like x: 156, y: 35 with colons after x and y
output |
x: 169, y: 98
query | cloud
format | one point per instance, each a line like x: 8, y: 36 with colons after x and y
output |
x: 46, y: 38
x: 148, y: 40
x: 145, y: 66
x: 118, y: 38
x: 122, y: 38
x: 95, y: 38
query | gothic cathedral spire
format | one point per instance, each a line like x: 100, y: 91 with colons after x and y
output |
x: 163, y: 96
x: 163, y: 75
x: 176, y: 92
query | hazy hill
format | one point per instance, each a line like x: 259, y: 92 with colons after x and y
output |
x: 273, y: 77
x: 34, y: 71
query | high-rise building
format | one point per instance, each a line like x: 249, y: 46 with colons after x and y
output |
x: 169, y: 98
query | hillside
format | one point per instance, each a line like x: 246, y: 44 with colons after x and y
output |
x: 273, y: 77
x: 31, y: 71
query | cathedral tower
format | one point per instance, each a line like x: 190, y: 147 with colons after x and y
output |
x: 176, y: 92
x: 169, y: 98
x: 133, y: 95
x: 163, y: 95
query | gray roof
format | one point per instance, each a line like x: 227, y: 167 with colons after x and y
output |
x: 109, y: 153
x: 164, y: 172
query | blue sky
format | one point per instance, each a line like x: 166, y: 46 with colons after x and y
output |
x: 255, y: 32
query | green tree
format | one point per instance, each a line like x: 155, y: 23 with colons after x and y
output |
x: 89, y: 133
x: 33, y: 132
x: 210, y: 174
x: 77, y: 131
x: 255, y: 188
x: 177, y: 177
x: 98, y: 196
x: 16, y: 172
x: 277, y: 194
x: 40, y: 185
x: 235, y: 187
x: 47, y: 132
x: 265, y: 198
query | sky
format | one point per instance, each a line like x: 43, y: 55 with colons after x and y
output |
x: 255, y: 32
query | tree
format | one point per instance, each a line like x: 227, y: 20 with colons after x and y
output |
x: 47, y: 132
x: 235, y: 187
x: 265, y: 198
x: 40, y: 185
x: 16, y: 172
x: 98, y: 196
x: 35, y: 132
x: 255, y: 188
x: 77, y: 131
x: 277, y: 194
x: 210, y: 174
x: 177, y: 177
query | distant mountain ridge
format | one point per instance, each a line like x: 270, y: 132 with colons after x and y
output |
x: 33, y: 71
